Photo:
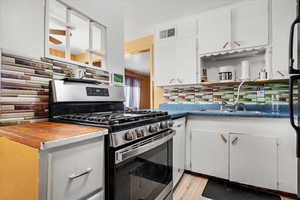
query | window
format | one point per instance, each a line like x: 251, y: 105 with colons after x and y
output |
x: 74, y: 37
x: 132, y: 92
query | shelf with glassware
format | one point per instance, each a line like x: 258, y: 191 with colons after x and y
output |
x: 252, y: 66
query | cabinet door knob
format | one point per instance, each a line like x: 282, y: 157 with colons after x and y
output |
x: 225, y: 45
x: 235, y: 140
x: 224, y: 138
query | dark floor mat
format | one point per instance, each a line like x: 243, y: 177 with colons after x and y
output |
x: 221, y: 190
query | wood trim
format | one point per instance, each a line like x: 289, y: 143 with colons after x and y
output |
x: 143, y: 44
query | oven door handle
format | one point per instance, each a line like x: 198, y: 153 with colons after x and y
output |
x: 125, y: 155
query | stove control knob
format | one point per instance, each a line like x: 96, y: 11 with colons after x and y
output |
x: 143, y: 132
x: 129, y: 136
x: 139, y: 133
x: 170, y: 123
x: 152, y: 128
x: 163, y: 125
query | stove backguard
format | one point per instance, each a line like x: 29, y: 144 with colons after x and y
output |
x: 67, y: 97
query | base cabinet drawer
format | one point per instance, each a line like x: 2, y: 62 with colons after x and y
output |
x: 76, y: 171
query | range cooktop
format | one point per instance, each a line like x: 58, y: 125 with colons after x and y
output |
x: 114, y: 120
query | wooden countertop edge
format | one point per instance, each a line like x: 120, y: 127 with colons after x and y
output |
x: 32, y: 142
x: 36, y: 142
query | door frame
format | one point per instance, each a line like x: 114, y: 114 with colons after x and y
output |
x: 146, y: 44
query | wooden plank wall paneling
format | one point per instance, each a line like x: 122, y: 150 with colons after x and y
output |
x: 24, y: 86
x: 145, y: 88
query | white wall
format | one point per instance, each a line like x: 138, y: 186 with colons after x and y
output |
x: 22, y: 27
x: 138, y: 63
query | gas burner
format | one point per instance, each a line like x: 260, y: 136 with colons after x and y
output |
x: 112, y: 118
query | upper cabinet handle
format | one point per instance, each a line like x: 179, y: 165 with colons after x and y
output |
x: 235, y: 140
x: 224, y: 138
x: 225, y: 45
x: 237, y: 43
x: 171, y: 81
x: 180, y: 81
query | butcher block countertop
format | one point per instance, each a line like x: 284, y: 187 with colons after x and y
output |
x: 37, y: 134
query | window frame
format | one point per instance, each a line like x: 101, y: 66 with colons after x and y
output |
x: 68, y: 25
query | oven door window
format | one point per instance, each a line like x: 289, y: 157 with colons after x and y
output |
x: 145, y: 176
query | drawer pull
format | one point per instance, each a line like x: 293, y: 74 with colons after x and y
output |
x: 75, y: 176
x: 223, y: 138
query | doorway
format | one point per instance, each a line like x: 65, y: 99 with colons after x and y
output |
x: 138, y: 47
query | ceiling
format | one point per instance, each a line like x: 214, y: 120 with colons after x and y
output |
x: 142, y: 15
x: 139, y: 63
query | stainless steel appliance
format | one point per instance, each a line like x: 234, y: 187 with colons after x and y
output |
x: 294, y: 70
x: 138, y: 146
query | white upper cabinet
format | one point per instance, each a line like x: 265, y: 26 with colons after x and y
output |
x: 164, y: 62
x: 214, y: 31
x: 175, y: 56
x: 186, y: 61
x: 283, y: 15
x: 243, y: 25
x: 186, y: 28
x: 249, y: 24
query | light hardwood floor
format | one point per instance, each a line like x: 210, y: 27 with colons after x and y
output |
x: 191, y: 187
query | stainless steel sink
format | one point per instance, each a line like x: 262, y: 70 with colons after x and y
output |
x: 233, y: 111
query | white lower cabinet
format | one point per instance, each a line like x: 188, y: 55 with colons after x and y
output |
x: 210, y: 153
x: 254, y: 160
x: 76, y: 171
x: 258, y: 152
x: 178, y: 150
x: 246, y: 159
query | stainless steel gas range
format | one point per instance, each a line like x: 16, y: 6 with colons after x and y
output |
x: 139, y: 144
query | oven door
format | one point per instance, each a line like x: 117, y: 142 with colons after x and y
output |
x: 143, y: 171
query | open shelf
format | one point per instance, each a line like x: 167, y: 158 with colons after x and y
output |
x: 258, y: 82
